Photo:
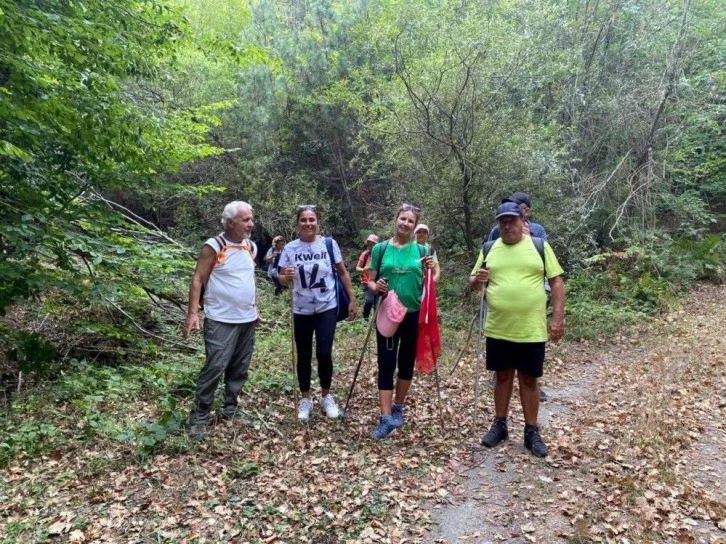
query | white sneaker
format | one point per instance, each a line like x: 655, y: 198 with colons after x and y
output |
x: 328, y: 404
x: 304, y: 409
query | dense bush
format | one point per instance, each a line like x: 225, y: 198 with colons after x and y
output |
x: 615, y: 289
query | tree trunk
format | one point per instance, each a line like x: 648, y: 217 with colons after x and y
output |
x: 465, y: 198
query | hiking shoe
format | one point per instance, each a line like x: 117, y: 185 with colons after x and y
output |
x: 491, y: 384
x: 199, y: 429
x: 328, y: 404
x: 385, y: 426
x: 304, y: 409
x: 533, y: 441
x: 497, y: 433
x: 397, y: 415
x: 542, y: 396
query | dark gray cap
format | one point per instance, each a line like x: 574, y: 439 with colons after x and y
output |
x: 519, y: 198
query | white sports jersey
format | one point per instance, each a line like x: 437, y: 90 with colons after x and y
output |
x: 314, y: 284
x: 229, y: 295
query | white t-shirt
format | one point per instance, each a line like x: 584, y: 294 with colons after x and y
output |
x: 229, y: 295
x: 314, y: 284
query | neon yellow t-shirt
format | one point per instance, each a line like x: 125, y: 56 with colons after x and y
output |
x: 516, y: 299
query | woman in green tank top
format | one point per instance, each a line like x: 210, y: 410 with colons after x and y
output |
x: 401, y: 263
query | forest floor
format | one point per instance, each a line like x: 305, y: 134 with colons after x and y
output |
x: 635, y: 424
x: 637, y: 434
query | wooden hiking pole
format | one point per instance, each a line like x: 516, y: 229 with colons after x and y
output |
x: 438, y: 395
x: 293, y: 356
x: 464, y: 348
x: 371, y: 325
x: 482, y: 320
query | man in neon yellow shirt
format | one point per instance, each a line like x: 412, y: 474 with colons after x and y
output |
x: 516, y: 327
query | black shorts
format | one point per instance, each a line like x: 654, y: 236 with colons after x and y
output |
x: 525, y: 357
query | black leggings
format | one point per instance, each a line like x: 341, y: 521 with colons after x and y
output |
x: 402, y: 344
x: 323, y: 325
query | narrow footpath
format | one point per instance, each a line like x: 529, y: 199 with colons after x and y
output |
x: 636, y: 427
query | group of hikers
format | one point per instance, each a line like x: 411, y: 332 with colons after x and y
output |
x: 515, y: 273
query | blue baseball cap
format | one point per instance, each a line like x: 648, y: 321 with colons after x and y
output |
x: 508, y: 209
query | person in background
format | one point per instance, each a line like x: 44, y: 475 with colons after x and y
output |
x: 422, y: 237
x: 306, y: 265
x: 401, y: 266
x: 272, y: 259
x: 225, y: 272
x: 369, y: 298
x: 528, y: 229
x: 516, y: 327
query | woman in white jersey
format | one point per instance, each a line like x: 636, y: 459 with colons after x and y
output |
x: 306, y: 264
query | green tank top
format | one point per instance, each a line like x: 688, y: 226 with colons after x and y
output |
x: 403, y: 269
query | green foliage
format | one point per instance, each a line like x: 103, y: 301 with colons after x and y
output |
x: 618, y: 289
x: 245, y: 469
x: 687, y: 260
x: 77, y: 125
x: 30, y: 351
x: 149, y: 436
x: 31, y: 438
x: 599, y: 304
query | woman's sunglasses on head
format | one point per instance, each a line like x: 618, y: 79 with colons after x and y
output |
x: 410, y: 208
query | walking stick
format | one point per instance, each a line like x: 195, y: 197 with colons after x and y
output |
x: 294, y: 356
x: 345, y: 414
x: 438, y: 394
x: 463, y: 349
x: 482, y: 318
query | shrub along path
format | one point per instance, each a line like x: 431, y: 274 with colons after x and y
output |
x: 635, y: 428
x: 637, y: 434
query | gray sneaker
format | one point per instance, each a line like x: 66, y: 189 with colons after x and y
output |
x: 385, y: 426
x: 533, y: 441
x: 199, y: 429
x: 304, y: 409
x: 397, y: 415
x: 497, y: 433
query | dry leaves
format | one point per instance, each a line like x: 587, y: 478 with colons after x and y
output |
x: 628, y: 461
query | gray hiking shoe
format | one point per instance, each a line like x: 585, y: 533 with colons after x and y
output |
x: 397, y: 415
x: 385, y: 427
x: 533, y: 441
x: 327, y: 403
x: 199, y: 429
x: 497, y: 433
x: 542, y: 395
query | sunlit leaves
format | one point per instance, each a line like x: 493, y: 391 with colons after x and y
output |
x: 74, y: 122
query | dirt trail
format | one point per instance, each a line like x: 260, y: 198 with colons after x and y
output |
x: 637, y: 435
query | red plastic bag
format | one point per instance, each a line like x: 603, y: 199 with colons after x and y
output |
x: 428, y: 343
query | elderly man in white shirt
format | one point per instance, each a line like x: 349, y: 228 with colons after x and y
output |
x: 224, y: 285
